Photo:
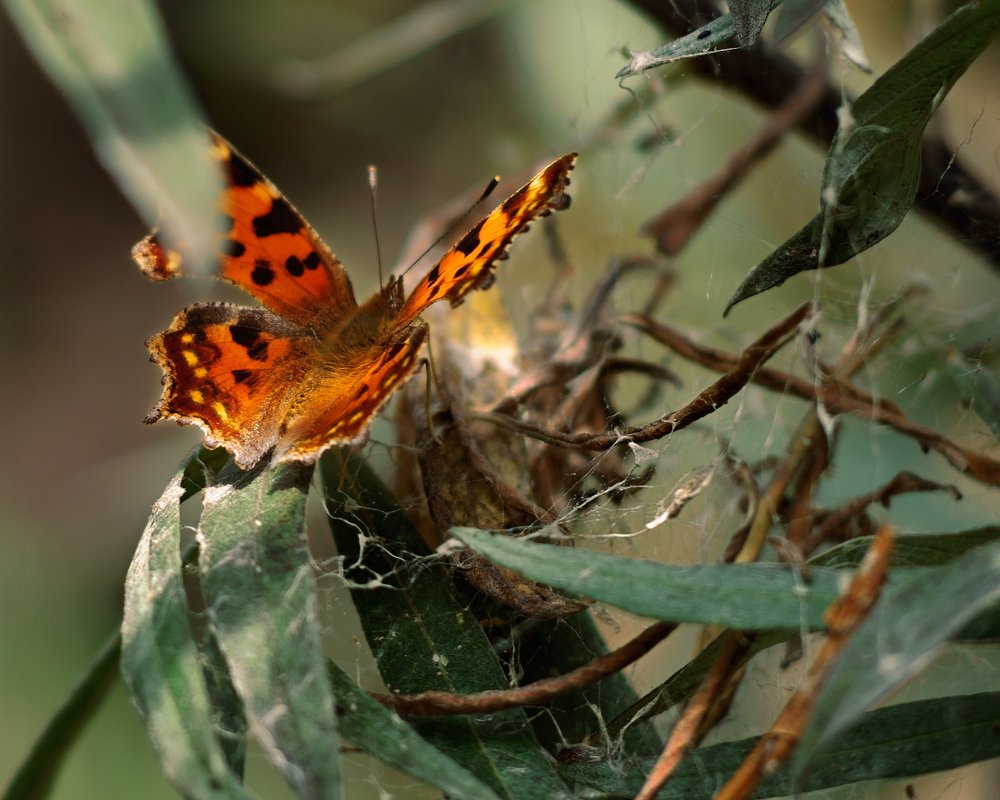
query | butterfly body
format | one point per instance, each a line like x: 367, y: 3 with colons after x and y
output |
x: 312, y: 368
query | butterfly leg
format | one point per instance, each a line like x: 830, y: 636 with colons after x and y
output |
x: 428, y: 364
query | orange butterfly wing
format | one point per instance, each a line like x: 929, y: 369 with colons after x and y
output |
x: 265, y: 248
x: 341, y: 401
x: 232, y: 371
x: 468, y: 265
x: 313, y: 373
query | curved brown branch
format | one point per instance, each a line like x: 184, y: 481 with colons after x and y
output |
x: 674, y: 227
x: 948, y: 193
x: 709, y: 400
x: 842, y: 620
x: 836, y: 396
x: 839, y: 521
x: 537, y: 693
x: 688, y: 731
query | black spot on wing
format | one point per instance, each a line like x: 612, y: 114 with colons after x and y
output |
x: 244, y: 335
x: 281, y: 218
x: 312, y: 260
x: 234, y: 249
x: 240, y: 172
x: 434, y: 274
x: 396, y: 348
x: 240, y: 375
x: 262, y: 273
x: 469, y: 242
x: 294, y: 266
x: 250, y: 340
x: 461, y: 270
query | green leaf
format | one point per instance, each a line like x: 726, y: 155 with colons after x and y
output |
x: 872, y: 172
x: 556, y: 647
x: 111, y: 60
x: 749, y: 17
x: 37, y: 773
x: 793, y: 15
x: 161, y: 664
x: 985, y: 400
x: 260, y: 594
x: 847, y: 34
x: 917, y: 550
x: 382, y: 734
x: 682, y: 685
x: 899, y: 638
x: 402, y: 38
x: 706, y: 39
x: 423, y: 635
x: 743, y: 596
x: 895, y: 742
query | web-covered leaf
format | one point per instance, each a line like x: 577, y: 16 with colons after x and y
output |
x: 161, y: 663
x: 260, y: 594
x: 424, y: 637
x: 873, y: 169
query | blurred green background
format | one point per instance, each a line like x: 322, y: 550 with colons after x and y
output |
x: 531, y: 81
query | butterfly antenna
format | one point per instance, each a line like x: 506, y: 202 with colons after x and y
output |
x: 373, y: 186
x: 451, y: 228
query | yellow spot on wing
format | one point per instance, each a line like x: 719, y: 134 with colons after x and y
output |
x: 200, y: 372
x: 187, y: 338
x: 221, y: 411
x: 190, y: 356
x: 196, y: 396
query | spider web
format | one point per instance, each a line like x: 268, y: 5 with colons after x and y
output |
x: 677, y: 498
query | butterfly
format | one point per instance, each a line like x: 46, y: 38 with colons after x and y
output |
x: 310, y: 368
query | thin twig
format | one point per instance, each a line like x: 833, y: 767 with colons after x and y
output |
x: 687, y: 732
x: 962, y: 203
x: 537, y: 693
x: 842, y: 619
x: 834, y: 393
x: 673, y: 228
x: 835, y: 398
x: 833, y: 527
x: 708, y: 401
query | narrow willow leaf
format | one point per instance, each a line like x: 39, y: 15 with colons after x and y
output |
x: 556, y: 647
x: 260, y: 593
x: 379, y: 732
x: 34, y: 779
x: 793, y: 15
x: 917, y: 550
x: 749, y: 17
x: 161, y: 664
x: 706, y: 39
x: 871, y: 175
x: 985, y: 401
x: 895, y: 742
x: 400, y: 40
x: 424, y: 637
x: 847, y: 34
x: 111, y: 60
x: 898, y: 640
x: 743, y: 596
x: 926, y: 550
x: 680, y: 686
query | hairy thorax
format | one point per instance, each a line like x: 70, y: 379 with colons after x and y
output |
x: 371, y: 325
